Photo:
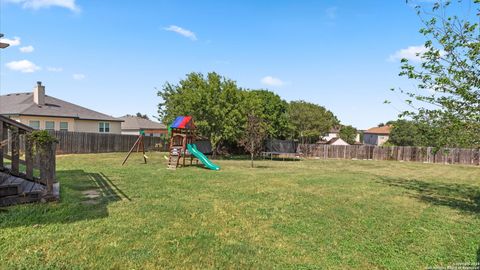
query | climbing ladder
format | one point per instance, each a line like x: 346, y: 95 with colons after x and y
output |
x: 182, y: 133
x: 175, y: 155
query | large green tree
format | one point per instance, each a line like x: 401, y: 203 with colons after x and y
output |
x: 214, y: 101
x: 309, y: 121
x: 273, y: 111
x: 229, y: 115
x: 448, y: 94
x: 348, y: 134
x: 411, y: 133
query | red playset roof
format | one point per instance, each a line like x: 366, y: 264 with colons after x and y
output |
x: 183, y: 122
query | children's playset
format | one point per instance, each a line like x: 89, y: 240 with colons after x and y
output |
x: 182, y: 145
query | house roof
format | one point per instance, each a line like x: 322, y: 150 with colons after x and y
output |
x: 331, y: 141
x: 139, y: 123
x: 385, y: 130
x: 22, y: 104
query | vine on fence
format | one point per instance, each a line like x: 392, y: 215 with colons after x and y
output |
x: 40, y: 138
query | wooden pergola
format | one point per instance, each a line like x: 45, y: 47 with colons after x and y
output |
x: 18, y: 184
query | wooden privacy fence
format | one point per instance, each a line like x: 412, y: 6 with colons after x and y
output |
x: 398, y: 153
x: 80, y: 142
x: 84, y: 143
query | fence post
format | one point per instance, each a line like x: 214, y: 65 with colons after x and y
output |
x: 29, y: 158
x: 48, y: 164
x: 15, y: 151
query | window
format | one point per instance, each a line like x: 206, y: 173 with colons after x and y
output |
x: 103, y: 127
x: 49, y: 125
x: 34, y: 124
x: 63, y: 126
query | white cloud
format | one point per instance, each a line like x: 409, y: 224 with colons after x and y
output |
x: 13, y: 42
x: 181, y: 31
x: 55, y: 69
x: 272, y: 81
x: 412, y: 53
x: 79, y: 76
x: 24, y: 66
x: 38, y: 4
x: 27, y: 49
x: 331, y: 12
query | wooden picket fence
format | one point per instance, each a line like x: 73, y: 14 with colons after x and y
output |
x: 80, y: 142
x: 84, y: 143
x: 398, y: 153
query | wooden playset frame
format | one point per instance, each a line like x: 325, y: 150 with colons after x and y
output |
x: 182, y: 133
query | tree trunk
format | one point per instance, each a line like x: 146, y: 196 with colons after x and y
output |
x: 251, y: 154
x: 216, y: 149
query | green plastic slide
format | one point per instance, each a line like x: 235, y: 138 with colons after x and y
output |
x: 192, y: 148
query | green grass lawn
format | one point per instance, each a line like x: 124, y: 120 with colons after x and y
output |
x: 311, y: 214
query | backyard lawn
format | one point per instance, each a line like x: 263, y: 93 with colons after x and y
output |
x: 311, y: 214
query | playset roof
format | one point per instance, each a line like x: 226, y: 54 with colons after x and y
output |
x: 183, y: 122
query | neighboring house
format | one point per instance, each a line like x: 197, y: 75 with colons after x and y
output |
x: 132, y: 125
x: 337, y: 141
x: 332, y: 133
x: 335, y: 133
x: 377, y: 135
x: 334, y: 141
x: 40, y: 111
x: 357, y: 137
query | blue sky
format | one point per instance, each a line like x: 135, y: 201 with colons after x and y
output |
x: 111, y: 55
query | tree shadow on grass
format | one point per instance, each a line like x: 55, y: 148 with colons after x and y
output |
x: 457, y: 196
x: 83, y: 196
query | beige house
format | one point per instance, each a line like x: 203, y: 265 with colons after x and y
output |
x: 40, y: 111
x: 377, y: 135
x: 132, y: 125
x: 334, y: 133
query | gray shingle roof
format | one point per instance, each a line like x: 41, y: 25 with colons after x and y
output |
x: 22, y: 104
x: 137, y: 123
